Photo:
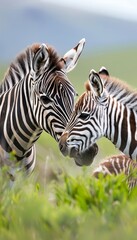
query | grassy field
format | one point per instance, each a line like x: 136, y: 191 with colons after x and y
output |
x: 61, y: 200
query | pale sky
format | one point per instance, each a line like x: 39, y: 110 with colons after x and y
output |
x: 126, y: 9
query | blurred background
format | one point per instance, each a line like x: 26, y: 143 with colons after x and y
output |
x: 110, y: 29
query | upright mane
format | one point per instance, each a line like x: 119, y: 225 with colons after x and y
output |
x: 121, y: 91
x: 22, y: 65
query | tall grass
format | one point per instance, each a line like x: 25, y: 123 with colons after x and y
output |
x: 69, y: 208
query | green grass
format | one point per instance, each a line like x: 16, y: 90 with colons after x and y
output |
x: 69, y: 208
x: 61, y: 200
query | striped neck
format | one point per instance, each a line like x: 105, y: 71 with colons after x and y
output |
x: 19, y: 129
x: 121, y: 127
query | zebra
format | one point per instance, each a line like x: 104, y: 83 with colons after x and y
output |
x: 108, y: 109
x: 35, y: 95
x: 117, y: 164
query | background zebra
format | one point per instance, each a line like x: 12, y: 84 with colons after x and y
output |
x: 36, y: 95
x: 117, y: 164
x: 107, y: 108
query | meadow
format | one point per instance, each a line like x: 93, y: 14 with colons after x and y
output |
x: 61, y: 200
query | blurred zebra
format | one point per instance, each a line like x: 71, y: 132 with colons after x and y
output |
x: 35, y: 95
x: 108, y: 108
x: 117, y: 164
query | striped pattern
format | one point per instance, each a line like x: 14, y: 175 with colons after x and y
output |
x: 107, y: 109
x: 117, y: 164
x: 35, y: 95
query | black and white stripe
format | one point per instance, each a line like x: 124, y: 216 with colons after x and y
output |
x: 35, y: 95
x: 108, y: 108
x: 117, y: 164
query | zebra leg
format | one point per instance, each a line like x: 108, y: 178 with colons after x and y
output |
x: 27, y: 164
x: 13, y: 167
x: 29, y: 160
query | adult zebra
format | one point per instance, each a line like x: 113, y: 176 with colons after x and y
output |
x: 36, y: 95
x: 108, y: 108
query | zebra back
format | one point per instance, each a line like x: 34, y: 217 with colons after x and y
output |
x: 117, y: 164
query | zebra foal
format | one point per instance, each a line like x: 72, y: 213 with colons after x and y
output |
x: 35, y: 95
x: 108, y: 108
x: 117, y: 164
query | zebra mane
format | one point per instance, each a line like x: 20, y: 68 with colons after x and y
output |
x: 119, y: 90
x: 22, y: 65
x: 82, y: 101
x: 113, y: 84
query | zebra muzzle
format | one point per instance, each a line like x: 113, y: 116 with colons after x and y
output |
x: 68, y: 149
x: 63, y: 145
x: 86, y: 158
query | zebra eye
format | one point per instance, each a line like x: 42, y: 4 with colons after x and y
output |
x: 84, y: 116
x: 45, y: 100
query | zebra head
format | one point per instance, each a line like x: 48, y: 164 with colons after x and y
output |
x: 87, y: 122
x: 52, y: 94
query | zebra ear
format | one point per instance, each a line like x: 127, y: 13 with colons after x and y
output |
x: 41, y: 58
x: 103, y: 71
x: 70, y: 59
x: 96, y: 83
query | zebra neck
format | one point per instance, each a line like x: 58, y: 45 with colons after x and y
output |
x: 121, y: 128
x: 19, y: 129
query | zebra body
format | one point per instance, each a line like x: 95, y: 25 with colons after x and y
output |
x: 108, y: 108
x: 117, y: 164
x: 35, y: 95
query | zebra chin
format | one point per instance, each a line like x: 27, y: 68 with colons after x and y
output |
x: 86, y: 157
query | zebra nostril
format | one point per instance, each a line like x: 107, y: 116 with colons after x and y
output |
x: 63, y: 143
x: 61, y: 147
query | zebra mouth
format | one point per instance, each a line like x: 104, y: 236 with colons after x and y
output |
x: 65, y: 148
x: 74, y: 152
x: 86, y: 157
